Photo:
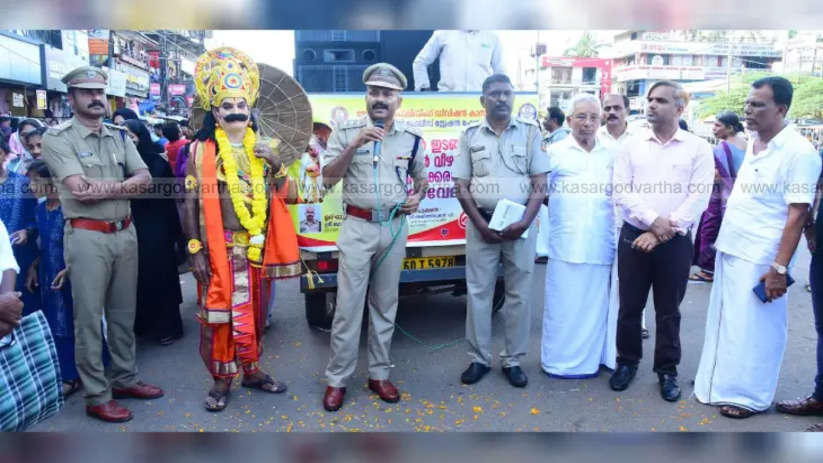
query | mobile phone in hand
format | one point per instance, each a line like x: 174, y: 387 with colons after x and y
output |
x: 760, y: 289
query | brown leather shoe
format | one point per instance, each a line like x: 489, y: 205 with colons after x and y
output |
x: 140, y: 390
x: 333, y: 399
x: 385, y: 389
x: 804, y: 407
x: 110, y: 412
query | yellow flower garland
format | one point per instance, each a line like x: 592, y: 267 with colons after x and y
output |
x: 255, y: 221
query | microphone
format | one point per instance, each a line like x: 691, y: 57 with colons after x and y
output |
x: 377, y: 144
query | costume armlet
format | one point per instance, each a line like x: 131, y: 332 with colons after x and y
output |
x: 191, y: 182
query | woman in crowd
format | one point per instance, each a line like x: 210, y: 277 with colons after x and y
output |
x: 20, y: 156
x: 48, y: 274
x: 158, y: 229
x: 728, y: 156
x: 17, y: 213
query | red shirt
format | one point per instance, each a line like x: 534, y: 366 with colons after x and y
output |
x: 172, y: 148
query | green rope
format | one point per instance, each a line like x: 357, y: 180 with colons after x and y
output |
x: 395, y: 235
x: 425, y: 344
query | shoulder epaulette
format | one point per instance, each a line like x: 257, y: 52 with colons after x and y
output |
x: 114, y: 126
x: 527, y: 121
x: 59, y: 128
x: 353, y: 124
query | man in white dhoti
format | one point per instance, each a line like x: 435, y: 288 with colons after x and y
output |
x: 577, y: 335
x: 745, y: 337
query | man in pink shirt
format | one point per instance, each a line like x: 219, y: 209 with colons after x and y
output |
x: 662, y: 181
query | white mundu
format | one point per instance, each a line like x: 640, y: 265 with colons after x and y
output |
x: 579, y: 323
x: 745, y: 337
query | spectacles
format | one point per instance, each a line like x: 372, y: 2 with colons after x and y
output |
x: 584, y: 118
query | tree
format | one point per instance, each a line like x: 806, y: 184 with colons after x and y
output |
x: 807, y: 101
x: 585, y: 46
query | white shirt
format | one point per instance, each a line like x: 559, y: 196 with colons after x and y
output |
x: 672, y: 180
x: 581, y: 211
x: 7, y: 260
x: 607, y: 139
x: 784, y: 173
x: 466, y: 59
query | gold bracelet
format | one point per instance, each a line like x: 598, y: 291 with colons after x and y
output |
x: 194, y: 246
x: 282, y: 172
x: 191, y: 182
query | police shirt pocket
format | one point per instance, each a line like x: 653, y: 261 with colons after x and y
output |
x: 362, y: 155
x: 92, y: 166
x: 519, y: 161
x: 481, y: 161
x: 401, y: 166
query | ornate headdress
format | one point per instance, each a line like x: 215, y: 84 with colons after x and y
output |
x: 226, y: 73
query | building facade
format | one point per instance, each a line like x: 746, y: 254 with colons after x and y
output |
x: 642, y: 58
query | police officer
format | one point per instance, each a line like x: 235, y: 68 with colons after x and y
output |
x: 97, y: 170
x: 372, y: 156
x: 499, y: 158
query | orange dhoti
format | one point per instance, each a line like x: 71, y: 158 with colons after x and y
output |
x: 232, y: 308
x: 225, y: 347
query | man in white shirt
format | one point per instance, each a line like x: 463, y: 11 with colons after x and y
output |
x: 612, y: 134
x: 553, y: 124
x: 467, y: 58
x: 616, y: 129
x: 11, y: 307
x: 745, y: 336
x: 578, y: 329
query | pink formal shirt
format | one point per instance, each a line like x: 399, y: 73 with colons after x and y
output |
x: 672, y: 180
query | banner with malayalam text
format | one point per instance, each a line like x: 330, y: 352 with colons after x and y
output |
x: 441, y: 118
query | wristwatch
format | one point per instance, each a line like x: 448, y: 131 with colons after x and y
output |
x: 194, y: 246
x: 780, y: 269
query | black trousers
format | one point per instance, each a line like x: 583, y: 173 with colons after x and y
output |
x: 666, y: 271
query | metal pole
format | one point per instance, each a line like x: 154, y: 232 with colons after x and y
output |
x: 729, y: 68
x: 164, y: 95
x: 537, y: 65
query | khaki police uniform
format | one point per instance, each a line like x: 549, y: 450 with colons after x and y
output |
x: 102, y: 266
x: 362, y: 243
x: 499, y: 168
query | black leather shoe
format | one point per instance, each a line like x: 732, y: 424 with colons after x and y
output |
x: 622, y: 377
x: 474, y: 373
x: 669, y: 389
x: 516, y: 376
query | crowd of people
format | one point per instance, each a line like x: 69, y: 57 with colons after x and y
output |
x: 623, y: 205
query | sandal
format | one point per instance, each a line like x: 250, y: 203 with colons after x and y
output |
x: 700, y: 276
x: 275, y: 387
x: 217, y: 401
x: 815, y: 428
x: 70, y: 387
x: 733, y: 411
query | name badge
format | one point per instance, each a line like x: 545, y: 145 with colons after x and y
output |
x: 362, y: 151
x: 475, y: 149
x: 84, y: 154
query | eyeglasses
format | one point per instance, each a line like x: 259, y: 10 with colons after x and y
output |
x: 584, y: 118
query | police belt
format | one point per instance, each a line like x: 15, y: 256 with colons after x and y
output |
x: 368, y: 214
x: 102, y: 226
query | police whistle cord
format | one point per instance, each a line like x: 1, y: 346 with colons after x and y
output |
x: 395, y: 235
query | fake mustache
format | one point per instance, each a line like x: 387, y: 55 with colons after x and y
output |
x: 236, y: 118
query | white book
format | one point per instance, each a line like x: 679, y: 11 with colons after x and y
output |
x: 506, y: 213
